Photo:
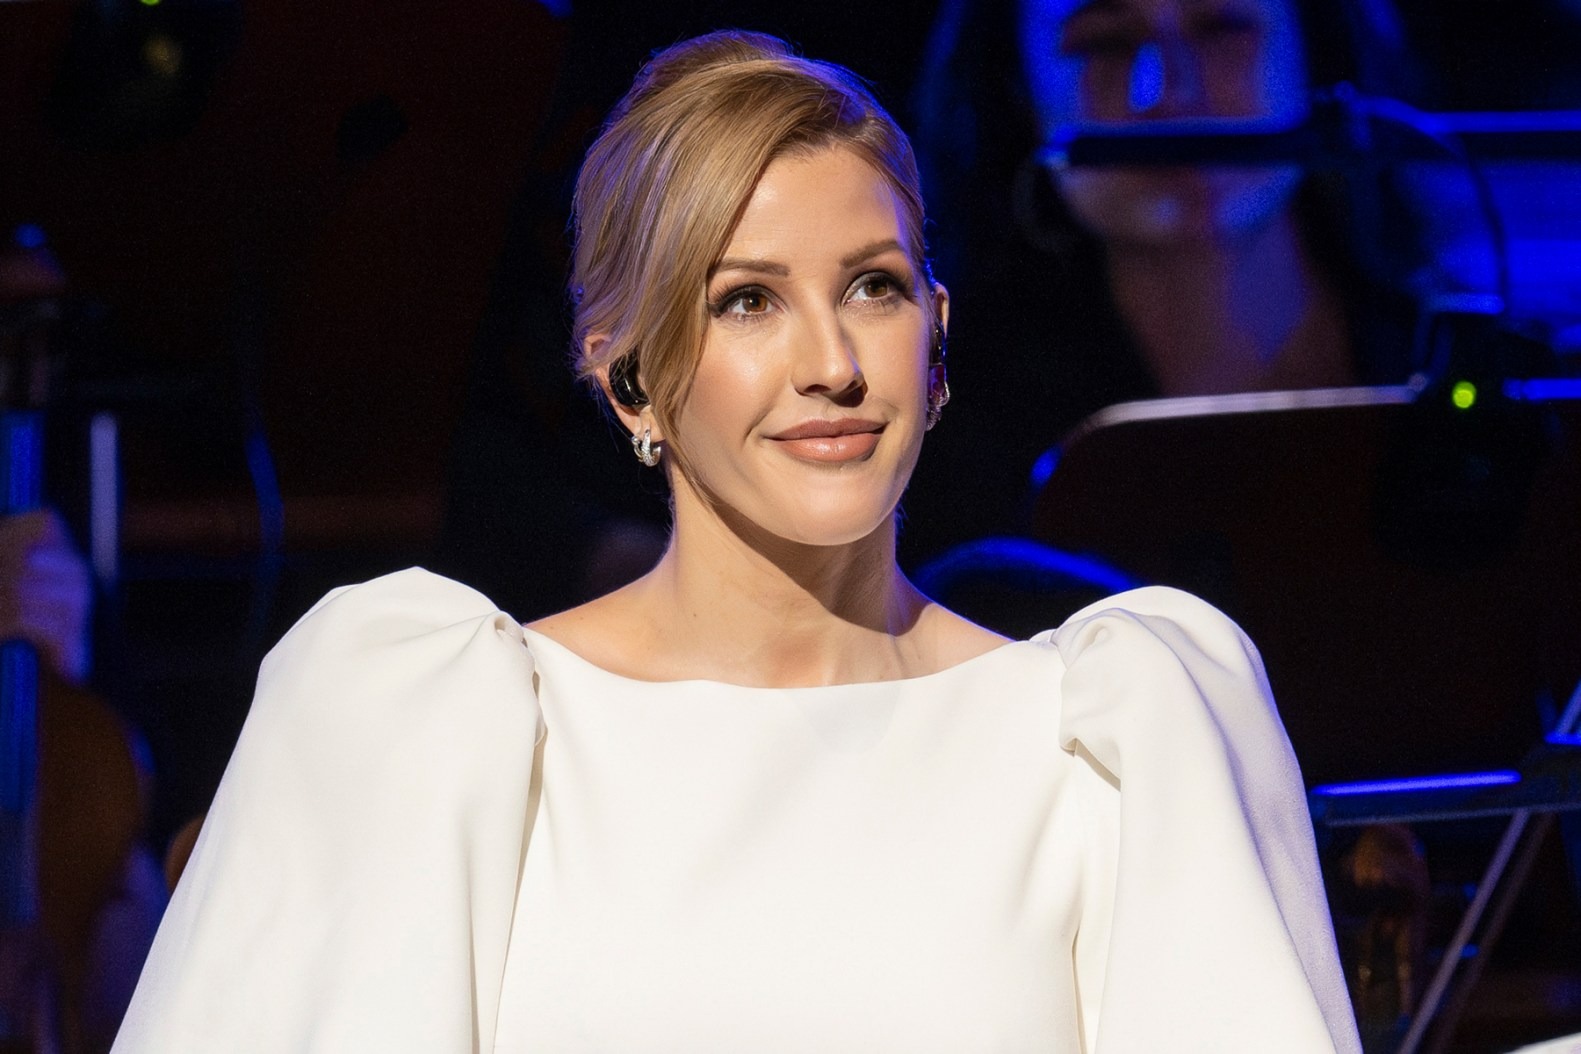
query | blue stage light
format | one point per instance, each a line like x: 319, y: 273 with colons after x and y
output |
x: 1043, y: 467
x: 1548, y: 389
x: 1419, y: 783
x: 28, y: 236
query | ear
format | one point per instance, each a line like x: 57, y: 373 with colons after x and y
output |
x: 941, y: 306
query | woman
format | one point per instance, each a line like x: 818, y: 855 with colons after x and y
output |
x: 767, y: 797
x: 1164, y: 281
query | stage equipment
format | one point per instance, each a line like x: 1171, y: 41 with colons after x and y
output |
x: 1404, y: 558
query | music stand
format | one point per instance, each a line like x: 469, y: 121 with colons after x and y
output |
x: 1408, y: 570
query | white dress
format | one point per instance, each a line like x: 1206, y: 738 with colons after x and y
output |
x: 440, y: 833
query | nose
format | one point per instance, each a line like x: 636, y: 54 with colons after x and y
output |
x: 1166, y: 78
x: 826, y: 364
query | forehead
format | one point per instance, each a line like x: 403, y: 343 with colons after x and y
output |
x: 829, y: 196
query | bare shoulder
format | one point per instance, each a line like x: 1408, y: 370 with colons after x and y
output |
x: 953, y: 639
x: 610, y: 632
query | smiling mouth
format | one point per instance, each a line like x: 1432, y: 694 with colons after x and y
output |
x: 830, y: 442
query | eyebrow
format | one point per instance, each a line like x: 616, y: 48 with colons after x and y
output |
x: 755, y: 266
x: 770, y: 267
x: 867, y: 252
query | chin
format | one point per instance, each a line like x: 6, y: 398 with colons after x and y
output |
x: 829, y: 528
x: 818, y: 516
x: 819, y: 519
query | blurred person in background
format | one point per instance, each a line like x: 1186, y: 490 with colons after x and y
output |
x: 1094, y: 286
x: 68, y: 973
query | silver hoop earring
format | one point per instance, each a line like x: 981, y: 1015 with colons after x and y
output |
x: 938, y: 395
x: 646, y: 451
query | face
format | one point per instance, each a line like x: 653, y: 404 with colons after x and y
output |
x: 806, y: 412
x: 1127, y: 61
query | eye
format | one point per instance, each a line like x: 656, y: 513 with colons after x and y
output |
x: 876, y: 286
x: 746, y: 301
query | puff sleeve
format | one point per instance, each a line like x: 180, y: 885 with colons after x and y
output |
x: 1204, y: 925
x: 353, y: 885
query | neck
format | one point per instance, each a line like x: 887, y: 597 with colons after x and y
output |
x: 751, y: 608
x: 1244, y: 313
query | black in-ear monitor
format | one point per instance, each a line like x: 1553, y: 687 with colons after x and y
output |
x: 623, y: 382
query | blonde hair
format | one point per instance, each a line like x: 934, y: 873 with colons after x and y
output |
x: 664, y: 185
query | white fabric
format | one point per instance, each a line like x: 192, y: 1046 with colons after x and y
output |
x: 1562, y: 1045
x: 1094, y: 841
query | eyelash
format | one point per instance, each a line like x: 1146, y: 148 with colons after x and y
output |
x: 722, y: 305
x: 896, y: 286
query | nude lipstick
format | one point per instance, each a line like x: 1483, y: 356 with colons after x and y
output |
x: 830, y: 441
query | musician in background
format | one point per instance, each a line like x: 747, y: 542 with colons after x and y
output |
x: 46, y: 593
x: 1091, y: 287
x: 100, y: 890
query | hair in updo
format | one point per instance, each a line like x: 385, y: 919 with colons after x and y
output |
x: 662, y: 188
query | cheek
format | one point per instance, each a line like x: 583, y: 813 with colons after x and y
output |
x: 895, y: 359
x: 704, y: 427
x: 724, y: 400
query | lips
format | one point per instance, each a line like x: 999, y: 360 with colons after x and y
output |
x: 830, y: 441
x: 820, y: 428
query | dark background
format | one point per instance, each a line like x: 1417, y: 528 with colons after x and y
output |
x: 296, y: 235
x: 306, y: 240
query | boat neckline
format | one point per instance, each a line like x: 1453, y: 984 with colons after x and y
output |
x: 534, y: 638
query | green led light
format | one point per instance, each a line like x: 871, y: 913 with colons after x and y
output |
x: 149, y: 3
x: 1463, y: 395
